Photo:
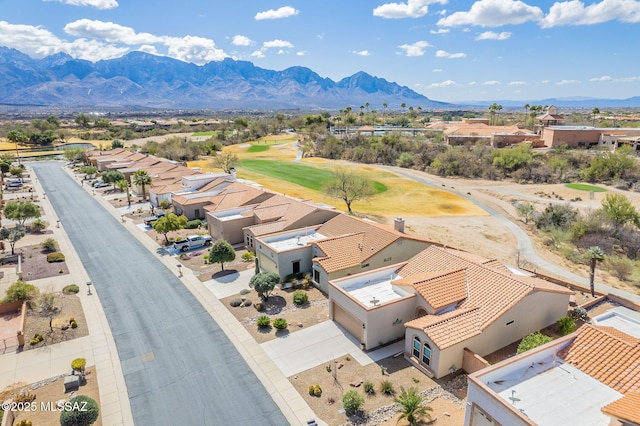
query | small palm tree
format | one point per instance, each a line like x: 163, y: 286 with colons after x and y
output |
x: 594, y: 112
x: 594, y: 254
x: 410, y: 406
x: 123, y: 185
x: 142, y: 178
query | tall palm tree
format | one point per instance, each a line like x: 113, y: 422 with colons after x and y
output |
x: 595, y: 111
x: 142, y: 178
x: 594, y: 254
x: 384, y: 112
x: 410, y: 406
x: 123, y: 185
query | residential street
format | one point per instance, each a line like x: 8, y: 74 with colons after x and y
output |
x: 179, y: 366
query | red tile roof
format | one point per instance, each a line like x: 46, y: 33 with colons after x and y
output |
x: 626, y: 408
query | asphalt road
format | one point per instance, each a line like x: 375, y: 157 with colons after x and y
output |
x: 179, y: 366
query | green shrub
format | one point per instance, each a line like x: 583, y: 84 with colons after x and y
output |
x: 49, y: 244
x: 259, y: 306
x: 193, y: 224
x: 300, y: 297
x: 20, y: 290
x: 56, y: 256
x: 78, y: 363
x: 566, y: 325
x: 38, y: 225
x: 83, y: 412
x: 280, y: 323
x: 533, y: 340
x: 236, y: 302
x: 386, y: 387
x: 263, y: 321
x: 71, y: 289
x: 352, y: 401
x: 305, y: 282
x: 248, y: 256
x: 37, y: 338
x: 369, y: 389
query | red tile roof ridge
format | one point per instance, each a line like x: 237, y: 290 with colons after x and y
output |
x: 617, y: 334
x: 626, y: 408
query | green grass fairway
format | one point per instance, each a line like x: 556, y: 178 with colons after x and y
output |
x: 258, y: 148
x: 209, y: 133
x: 585, y: 187
x: 308, y: 177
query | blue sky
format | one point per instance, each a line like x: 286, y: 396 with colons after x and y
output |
x: 448, y: 50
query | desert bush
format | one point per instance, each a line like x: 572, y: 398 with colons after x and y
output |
x: 38, y: 225
x: 236, y: 302
x: 280, y: 323
x: 49, y: 244
x: 369, y: 389
x: 20, y: 290
x: 263, y: 321
x: 247, y: 256
x: 312, y: 389
x: 621, y: 267
x: 386, y: 387
x: 82, y: 411
x: 305, y: 282
x: 73, y: 324
x: 317, y: 390
x: 78, y: 363
x: 579, y: 312
x: 25, y: 397
x: 247, y: 303
x: 193, y: 224
x: 37, y: 338
x: 352, y: 401
x: 71, y: 289
x: 24, y: 422
x: 56, y: 256
x: 244, y: 291
x: 533, y: 340
x: 566, y: 325
x: 300, y: 297
x: 259, y: 306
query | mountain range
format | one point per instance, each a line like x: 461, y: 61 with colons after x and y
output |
x: 148, y: 81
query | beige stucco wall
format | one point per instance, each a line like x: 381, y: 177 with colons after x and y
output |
x: 190, y: 210
x: 228, y: 230
x: 282, y: 263
x: 553, y: 137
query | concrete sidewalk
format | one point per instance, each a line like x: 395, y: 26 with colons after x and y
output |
x: 98, y: 348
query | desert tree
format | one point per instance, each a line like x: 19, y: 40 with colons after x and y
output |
x: 12, y: 235
x: 20, y: 211
x: 224, y: 161
x: 349, y: 187
x: 264, y: 283
x: 221, y: 251
x: 168, y: 223
x: 112, y: 177
x: 47, y: 305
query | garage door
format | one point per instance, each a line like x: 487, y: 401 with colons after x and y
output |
x: 352, y: 324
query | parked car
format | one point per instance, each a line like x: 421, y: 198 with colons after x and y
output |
x: 149, y: 220
x: 192, y: 241
x: 99, y: 184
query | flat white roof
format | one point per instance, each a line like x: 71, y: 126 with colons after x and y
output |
x: 292, y: 241
x: 230, y: 217
x: 622, y: 318
x: 555, y: 393
x: 374, y: 292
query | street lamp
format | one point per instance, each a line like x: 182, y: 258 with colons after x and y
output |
x: 89, y: 288
x: 179, y: 265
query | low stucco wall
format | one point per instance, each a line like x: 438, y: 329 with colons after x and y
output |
x: 472, y: 362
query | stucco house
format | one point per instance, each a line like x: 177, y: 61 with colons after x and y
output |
x: 589, y: 377
x: 443, y: 301
x: 343, y: 245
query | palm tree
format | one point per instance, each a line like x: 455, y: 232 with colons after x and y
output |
x: 384, y: 112
x: 595, y: 111
x: 142, y: 178
x: 403, y: 106
x: 410, y: 406
x: 123, y: 185
x: 594, y: 254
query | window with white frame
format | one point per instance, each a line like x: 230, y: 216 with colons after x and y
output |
x: 426, y: 354
x: 416, y: 346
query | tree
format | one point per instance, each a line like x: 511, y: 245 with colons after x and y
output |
x: 81, y: 410
x: 142, y: 179
x: 17, y: 137
x: 410, y: 406
x: 12, y: 235
x: 264, y: 283
x: 594, y: 112
x: 46, y: 304
x: 20, y: 290
x: 75, y: 154
x: 512, y: 159
x: 20, y: 211
x: 619, y: 209
x: 526, y: 211
x: 224, y: 161
x: 169, y: 222
x: 88, y: 171
x: 123, y: 185
x: 112, y: 177
x: 349, y: 187
x: 593, y: 254
x: 83, y: 120
x: 493, y: 109
x: 116, y: 144
x: 220, y: 252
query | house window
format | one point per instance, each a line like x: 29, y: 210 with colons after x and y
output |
x: 316, y: 275
x: 416, y: 347
x: 426, y: 354
x: 197, y: 213
x: 296, y: 266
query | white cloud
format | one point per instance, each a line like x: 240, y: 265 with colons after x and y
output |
x: 98, y: 4
x: 574, y: 12
x: 437, y: 70
x: 240, y: 40
x: 148, y: 49
x: 110, y: 32
x: 567, y: 82
x: 446, y: 83
x: 629, y: 79
x: 300, y: 53
x: 494, y: 13
x: 445, y: 54
x: 277, y: 43
x: 440, y: 31
x: 490, y: 35
x: 410, y: 9
x: 603, y: 78
x: 362, y: 53
x: 517, y: 83
x: 491, y: 83
x: 281, y: 52
x: 257, y: 54
x: 283, y: 12
x: 415, y: 49
x: 197, y: 50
